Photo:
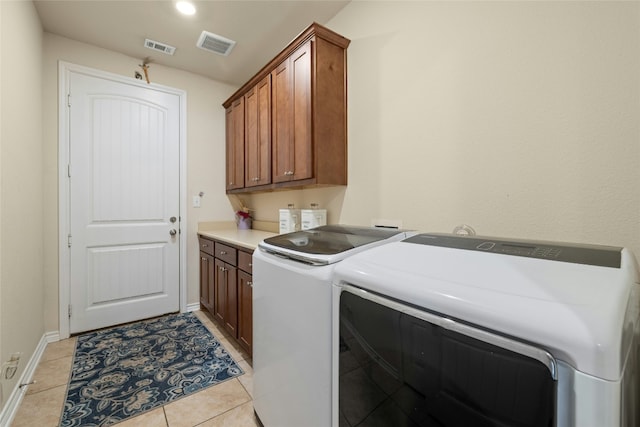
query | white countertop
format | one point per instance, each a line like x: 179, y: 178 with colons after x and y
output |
x: 246, y: 238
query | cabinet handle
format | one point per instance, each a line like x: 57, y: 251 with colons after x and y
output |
x: 223, y: 269
x: 288, y: 173
x: 250, y: 284
x: 256, y: 179
x: 204, y: 245
x: 204, y: 259
x: 250, y: 265
x: 223, y: 252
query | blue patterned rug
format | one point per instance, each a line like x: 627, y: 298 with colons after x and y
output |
x: 122, y: 372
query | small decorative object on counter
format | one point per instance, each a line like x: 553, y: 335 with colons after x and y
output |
x: 243, y: 219
x: 289, y: 219
x: 314, y: 217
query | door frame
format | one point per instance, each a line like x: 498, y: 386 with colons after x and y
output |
x: 64, y: 226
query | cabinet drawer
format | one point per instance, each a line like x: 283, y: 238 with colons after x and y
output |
x: 225, y: 253
x: 245, y: 262
x: 206, y: 245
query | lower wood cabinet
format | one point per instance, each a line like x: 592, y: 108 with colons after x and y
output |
x: 245, y: 311
x: 226, y: 296
x: 207, y: 276
x: 226, y: 288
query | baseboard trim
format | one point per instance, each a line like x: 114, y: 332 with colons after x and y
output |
x: 53, y: 336
x: 10, y: 408
x: 193, y: 307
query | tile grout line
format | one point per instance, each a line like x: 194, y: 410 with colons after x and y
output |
x: 245, y: 389
x: 166, y: 420
x: 52, y: 386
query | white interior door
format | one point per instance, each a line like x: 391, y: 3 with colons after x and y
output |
x: 124, y: 151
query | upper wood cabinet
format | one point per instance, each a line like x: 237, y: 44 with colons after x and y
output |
x: 235, y: 144
x: 257, y: 137
x: 295, y: 117
x: 292, y: 125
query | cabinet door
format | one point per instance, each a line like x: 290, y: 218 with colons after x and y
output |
x: 204, y: 279
x: 225, y: 299
x: 282, y: 125
x: 292, y: 133
x: 302, y: 122
x: 245, y: 311
x: 235, y: 144
x: 220, y: 290
x: 258, y: 134
x: 211, y: 284
x: 231, y: 309
x: 207, y: 279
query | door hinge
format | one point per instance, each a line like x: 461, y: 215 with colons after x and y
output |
x: 69, y: 311
x: 69, y: 170
x: 69, y: 240
x: 68, y: 100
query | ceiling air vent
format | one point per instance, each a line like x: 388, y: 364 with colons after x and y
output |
x: 215, y: 43
x: 160, y: 47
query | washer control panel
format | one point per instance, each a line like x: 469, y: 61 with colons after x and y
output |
x: 604, y: 256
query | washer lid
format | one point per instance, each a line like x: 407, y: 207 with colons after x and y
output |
x: 328, y: 243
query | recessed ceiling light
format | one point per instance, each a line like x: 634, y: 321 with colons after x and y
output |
x: 185, y: 7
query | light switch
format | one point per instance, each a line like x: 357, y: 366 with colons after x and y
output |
x: 196, y: 201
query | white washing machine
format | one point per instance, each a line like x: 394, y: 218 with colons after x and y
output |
x: 454, y: 331
x: 292, y: 275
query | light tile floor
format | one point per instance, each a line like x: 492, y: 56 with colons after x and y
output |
x: 224, y: 405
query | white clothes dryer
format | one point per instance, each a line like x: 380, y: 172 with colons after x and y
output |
x: 443, y: 330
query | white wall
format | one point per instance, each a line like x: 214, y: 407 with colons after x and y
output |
x: 21, y: 209
x: 521, y: 119
x: 205, y: 150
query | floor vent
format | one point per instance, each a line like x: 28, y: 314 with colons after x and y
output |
x: 215, y: 43
x: 160, y: 47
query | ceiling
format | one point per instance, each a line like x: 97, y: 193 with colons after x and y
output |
x: 260, y: 28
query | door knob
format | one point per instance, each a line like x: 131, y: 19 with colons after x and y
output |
x: 172, y: 232
x: 172, y: 219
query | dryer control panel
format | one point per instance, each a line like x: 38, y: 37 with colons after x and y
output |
x: 604, y: 256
